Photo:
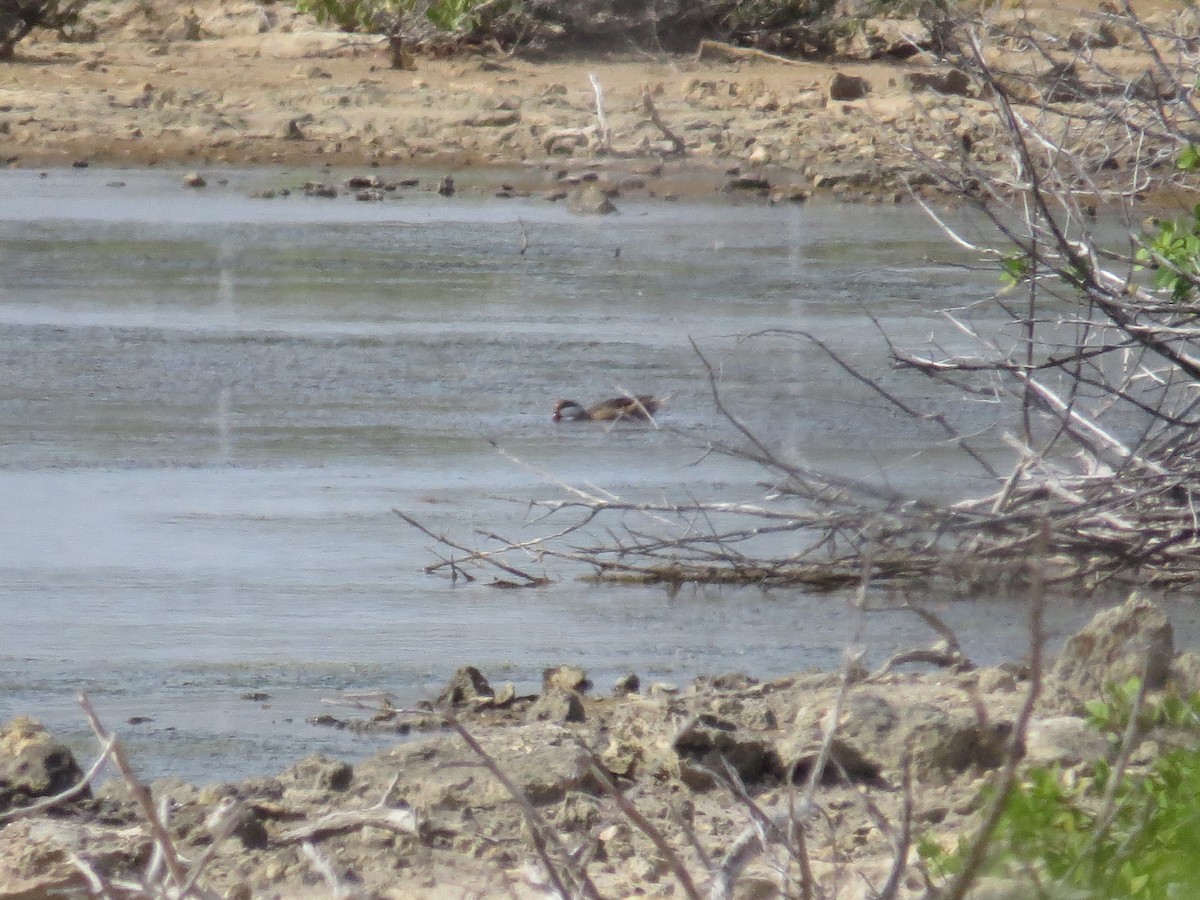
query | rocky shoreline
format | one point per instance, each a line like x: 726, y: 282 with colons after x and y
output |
x: 433, y: 817
x: 233, y: 84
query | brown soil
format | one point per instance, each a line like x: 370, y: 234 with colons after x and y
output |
x: 245, y: 83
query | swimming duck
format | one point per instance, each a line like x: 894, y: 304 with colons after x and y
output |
x: 641, y: 407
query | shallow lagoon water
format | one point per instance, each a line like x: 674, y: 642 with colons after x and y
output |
x: 211, y: 404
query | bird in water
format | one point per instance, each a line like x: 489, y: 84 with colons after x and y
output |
x: 642, y: 407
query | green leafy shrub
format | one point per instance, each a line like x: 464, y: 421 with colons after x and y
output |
x: 1057, y: 831
x: 378, y: 15
x: 1172, y: 252
x: 1172, y: 249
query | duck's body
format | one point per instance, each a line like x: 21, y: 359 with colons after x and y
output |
x: 642, y: 407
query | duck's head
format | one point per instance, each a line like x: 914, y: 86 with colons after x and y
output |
x: 572, y: 409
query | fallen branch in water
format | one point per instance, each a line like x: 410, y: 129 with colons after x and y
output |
x: 1090, y: 355
x: 471, y: 556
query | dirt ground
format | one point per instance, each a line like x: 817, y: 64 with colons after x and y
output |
x: 222, y: 84
x: 647, y: 790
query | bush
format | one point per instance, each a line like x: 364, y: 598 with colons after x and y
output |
x: 380, y: 15
x: 19, y: 17
x: 1111, y: 833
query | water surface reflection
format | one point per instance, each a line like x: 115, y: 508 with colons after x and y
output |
x: 210, y: 405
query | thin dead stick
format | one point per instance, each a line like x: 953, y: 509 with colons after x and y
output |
x: 601, y: 118
x: 750, y: 842
x: 1108, y: 805
x: 99, y: 887
x: 77, y: 788
x: 902, y: 842
x: 540, y: 832
x: 155, y: 865
x: 933, y: 656
x: 785, y: 829
x: 678, y: 145
x: 745, y: 847
x: 140, y: 794
x: 393, y: 819
x: 689, y: 834
x: 976, y: 853
x: 648, y: 828
x: 221, y: 823
x: 731, y: 52
x: 323, y: 867
x: 852, y: 659
x: 397, y: 819
x: 471, y: 554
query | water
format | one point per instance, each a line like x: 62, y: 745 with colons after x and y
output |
x: 210, y: 406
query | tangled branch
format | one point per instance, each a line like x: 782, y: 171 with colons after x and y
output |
x: 1091, y: 354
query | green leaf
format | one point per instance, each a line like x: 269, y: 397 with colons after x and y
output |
x: 1014, y: 269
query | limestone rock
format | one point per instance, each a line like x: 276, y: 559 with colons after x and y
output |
x: 33, y: 764
x: 1118, y: 644
x: 1063, y: 741
x: 627, y: 684
x: 947, y: 744
x: 590, y: 200
x: 1185, y: 672
x: 496, y: 118
x: 466, y: 685
x: 833, y: 175
x: 443, y: 773
x: 565, y: 678
x: 748, y: 183
x: 557, y: 705
x: 320, y: 773
x: 952, y: 81
x: 799, y: 756
x: 1092, y: 36
x: 873, y: 734
x: 622, y: 757
x: 708, y: 743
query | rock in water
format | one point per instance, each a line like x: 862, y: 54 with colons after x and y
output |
x: 467, y: 684
x: 590, y: 200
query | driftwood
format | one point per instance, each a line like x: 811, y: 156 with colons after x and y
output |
x: 601, y: 118
x: 729, y: 51
x: 678, y: 145
x: 399, y: 820
x: 1092, y: 366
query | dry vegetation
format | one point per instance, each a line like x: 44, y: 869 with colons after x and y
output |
x: 1094, y: 366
